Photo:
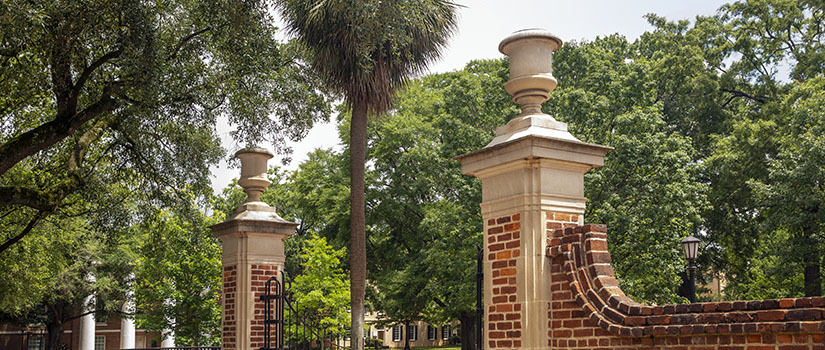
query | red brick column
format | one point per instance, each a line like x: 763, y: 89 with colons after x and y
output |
x: 512, y: 292
x: 260, y: 274
x: 252, y: 251
x: 504, y: 316
x: 533, y: 170
x: 228, y: 333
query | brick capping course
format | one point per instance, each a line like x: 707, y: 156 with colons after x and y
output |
x: 583, y: 253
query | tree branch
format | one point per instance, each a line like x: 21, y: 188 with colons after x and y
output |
x: 80, y: 315
x: 61, y: 69
x: 83, y: 143
x: 48, y: 134
x: 81, y: 81
x: 189, y: 38
x: 23, y: 233
x: 737, y: 93
x: 13, y: 195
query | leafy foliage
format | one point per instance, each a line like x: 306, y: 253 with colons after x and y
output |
x: 101, y: 100
x: 178, y: 279
x: 321, y: 293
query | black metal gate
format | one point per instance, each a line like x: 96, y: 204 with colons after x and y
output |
x: 287, y: 328
x: 277, y: 322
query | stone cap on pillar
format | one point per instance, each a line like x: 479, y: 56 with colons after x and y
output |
x: 254, y: 215
x: 532, y: 134
x: 577, y: 154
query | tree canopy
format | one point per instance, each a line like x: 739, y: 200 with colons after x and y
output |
x: 101, y: 103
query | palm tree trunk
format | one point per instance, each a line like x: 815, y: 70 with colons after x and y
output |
x: 358, y: 249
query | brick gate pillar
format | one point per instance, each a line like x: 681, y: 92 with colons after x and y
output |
x: 532, y: 176
x: 253, y: 250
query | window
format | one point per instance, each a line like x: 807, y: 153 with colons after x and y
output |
x: 412, y: 332
x: 35, y: 343
x: 100, y: 342
x: 445, y: 332
x: 396, y: 333
x: 432, y: 332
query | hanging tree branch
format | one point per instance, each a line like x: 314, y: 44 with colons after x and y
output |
x: 737, y: 93
x: 23, y: 233
x: 81, y: 81
x: 183, y: 41
x: 48, y: 134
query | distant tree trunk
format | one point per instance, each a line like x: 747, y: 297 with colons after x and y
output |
x: 811, y: 260
x: 813, y: 281
x: 468, y: 334
x: 358, y: 249
x: 684, y: 287
x: 406, y: 336
x: 53, y: 337
x: 54, y: 326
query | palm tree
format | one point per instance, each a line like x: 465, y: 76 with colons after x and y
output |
x: 367, y: 49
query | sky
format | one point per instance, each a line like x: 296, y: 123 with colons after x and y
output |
x: 483, y: 24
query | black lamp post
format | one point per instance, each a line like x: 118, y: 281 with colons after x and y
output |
x: 691, y: 246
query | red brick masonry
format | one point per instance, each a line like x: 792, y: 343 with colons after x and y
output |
x: 504, y: 312
x: 260, y: 274
x: 230, y: 278
x: 589, y: 310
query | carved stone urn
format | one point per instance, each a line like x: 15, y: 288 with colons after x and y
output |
x: 530, y: 84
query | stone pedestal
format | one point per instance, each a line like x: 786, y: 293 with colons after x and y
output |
x: 253, y: 251
x: 532, y: 176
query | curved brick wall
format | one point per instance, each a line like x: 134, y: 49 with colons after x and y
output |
x: 589, y: 310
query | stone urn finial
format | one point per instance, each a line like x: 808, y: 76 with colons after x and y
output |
x: 254, y: 182
x: 530, y: 84
x: 253, y: 172
x: 531, y: 67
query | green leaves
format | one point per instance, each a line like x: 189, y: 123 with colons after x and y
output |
x: 178, y: 278
x: 367, y: 49
x: 321, y: 292
x: 109, y: 113
x: 648, y: 195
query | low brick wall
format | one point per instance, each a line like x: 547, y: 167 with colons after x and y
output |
x: 589, y: 310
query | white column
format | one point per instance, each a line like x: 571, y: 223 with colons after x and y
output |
x: 168, y: 335
x: 127, y: 323
x: 168, y: 339
x: 87, y: 325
